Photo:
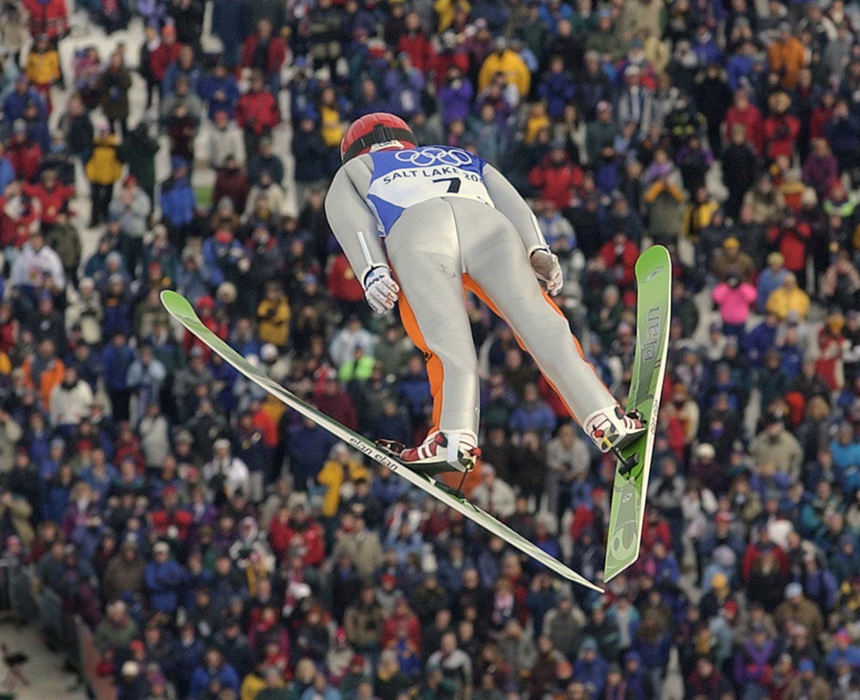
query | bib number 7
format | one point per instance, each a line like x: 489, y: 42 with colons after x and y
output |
x: 453, y: 184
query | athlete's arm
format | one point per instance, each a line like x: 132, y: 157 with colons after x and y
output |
x: 508, y: 201
x: 352, y: 221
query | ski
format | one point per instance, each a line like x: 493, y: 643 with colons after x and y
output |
x: 180, y: 309
x: 653, y: 311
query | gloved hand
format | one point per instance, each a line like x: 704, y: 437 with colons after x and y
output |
x: 547, y: 269
x: 380, y: 289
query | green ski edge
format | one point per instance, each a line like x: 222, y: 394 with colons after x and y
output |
x: 180, y: 308
x: 653, y: 309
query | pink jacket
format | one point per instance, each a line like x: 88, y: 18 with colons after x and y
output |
x: 735, y: 302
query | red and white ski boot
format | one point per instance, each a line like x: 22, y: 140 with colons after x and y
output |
x: 438, y: 453
x: 611, y: 428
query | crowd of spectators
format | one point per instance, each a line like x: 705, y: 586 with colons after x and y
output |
x: 219, y: 546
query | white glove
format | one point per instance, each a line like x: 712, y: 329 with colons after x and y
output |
x: 547, y: 269
x: 380, y: 289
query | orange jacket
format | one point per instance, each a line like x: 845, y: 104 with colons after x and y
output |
x: 787, y: 58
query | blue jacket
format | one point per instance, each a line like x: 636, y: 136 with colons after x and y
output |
x: 116, y: 361
x: 178, y: 202
x: 592, y: 674
x: 117, y: 319
x: 15, y: 104
x: 759, y: 341
x: 209, y: 85
x: 768, y: 281
x: 538, y: 416
x: 738, y: 67
x: 163, y: 582
x: 7, y: 173
x: 851, y: 654
x: 308, y: 449
x: 557, y: 89
x: 185, y: 660
x: 845, y: 456
x: 227, y: 23
x: 174, y: 71
x: 201, y: 678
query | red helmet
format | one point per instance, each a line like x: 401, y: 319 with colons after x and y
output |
x: 372, y: 129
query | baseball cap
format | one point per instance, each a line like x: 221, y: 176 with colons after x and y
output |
x: 805, y: 665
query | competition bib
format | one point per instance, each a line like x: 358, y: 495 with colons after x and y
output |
x: 402, y: 179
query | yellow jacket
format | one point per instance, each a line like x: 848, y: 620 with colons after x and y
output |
x: 511, y: 65
x: 445, y: 11
x: 43, y: 68
x: 699, y: 216
x: 331, y: 476
x: 251, y: 687
x: 5, y: 363
x: 274, y: 322
x: 781, y: 301
x: 330, y: 126
x: 104, y: 167
x: 533, y: 126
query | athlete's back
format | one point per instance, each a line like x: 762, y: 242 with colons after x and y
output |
x: 401, y: 179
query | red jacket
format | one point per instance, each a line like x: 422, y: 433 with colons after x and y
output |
x: 163, y: 519
x: 282, y: 534
x: 556, y: 182
x: 620, y: 263
x: 752, y: 554
x: 161, y: 58
x: 263, y: 422
x: 820, y: 116
x: 419, y: 49
x: 413, y: 627
x: 275, y: 55
x: 52, y: 201
x: 443, y: 61
x: 15, y: 230
x: 342, y: 283
x: 792, y: 244
x: 48, y: 17
x: 25, y: 159
x: 257, y: 112
x: 192, y: 341
x: 750, y: 118
x: 780, y: 133
x: 656, y: 532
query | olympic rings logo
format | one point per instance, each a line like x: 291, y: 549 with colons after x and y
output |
x: 434, y: 156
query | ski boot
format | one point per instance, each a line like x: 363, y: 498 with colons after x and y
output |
x: 611, y: 429
x: 438, y: 454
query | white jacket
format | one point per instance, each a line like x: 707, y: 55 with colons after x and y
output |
x: 30, y: 265
x: 69, y: 405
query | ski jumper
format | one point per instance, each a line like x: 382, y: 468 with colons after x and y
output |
x: 450, y: 221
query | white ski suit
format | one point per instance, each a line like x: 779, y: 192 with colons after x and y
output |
x: 451, y: 221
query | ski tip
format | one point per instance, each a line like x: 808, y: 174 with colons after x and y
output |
x: 176, y: 304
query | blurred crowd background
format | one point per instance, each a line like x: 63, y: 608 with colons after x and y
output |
x: 214, y: 545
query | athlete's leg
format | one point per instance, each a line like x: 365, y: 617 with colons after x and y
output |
x: 495, y: 259
x: 425, y: 254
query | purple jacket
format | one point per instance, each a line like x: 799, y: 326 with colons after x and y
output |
x: 456, y: 102
x: 819, y: 172
x: 750, y: 661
